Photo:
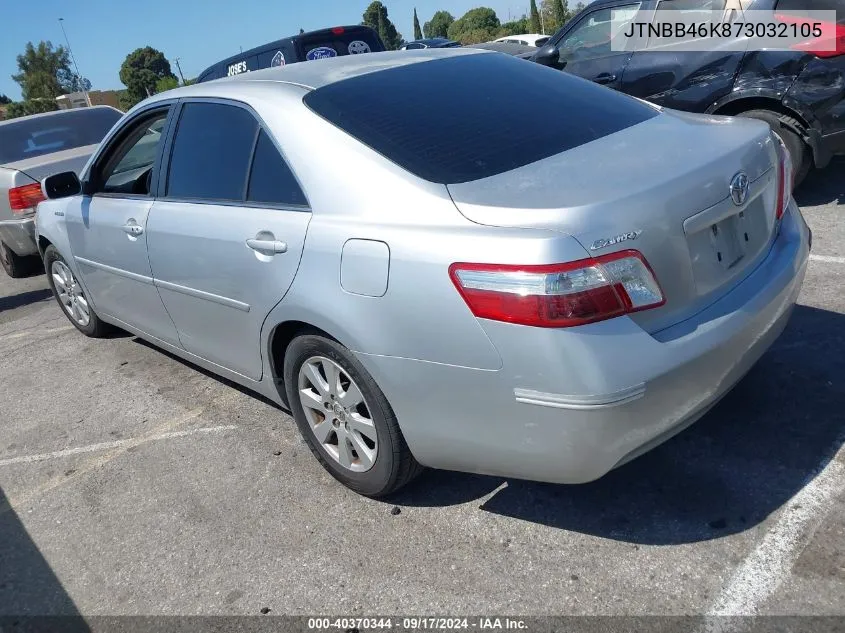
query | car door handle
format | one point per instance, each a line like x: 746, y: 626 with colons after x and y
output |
x: 267, y: 246
x: 604, y: 78
x: 133, y: 228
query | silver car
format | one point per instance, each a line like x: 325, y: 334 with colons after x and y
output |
x: 428, y: 272
x: 32, y: 148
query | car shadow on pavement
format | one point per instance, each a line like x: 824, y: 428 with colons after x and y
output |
x: 740, y: 463
x: 213, y: 376
x: 29, y: 589
x: 23, y: 299
x: 823, y: 186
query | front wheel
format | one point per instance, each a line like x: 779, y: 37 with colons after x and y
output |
x: 345, y: 418
x: 70, y: 296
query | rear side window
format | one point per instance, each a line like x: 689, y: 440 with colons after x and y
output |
x: 211, y: 152
x: 31, y: 137
x: 271, y: 180
x: 480, y: 130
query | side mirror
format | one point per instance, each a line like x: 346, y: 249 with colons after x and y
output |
x: 548, y: 56
x: 61, y: 185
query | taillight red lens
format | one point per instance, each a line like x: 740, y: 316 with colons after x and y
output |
x: 786, y: 177
x: 559, y: 295
x: 338, y: 30
x: 25, y: 198
x: 830, y: 44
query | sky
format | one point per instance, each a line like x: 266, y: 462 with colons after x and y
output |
x: 198, y: 32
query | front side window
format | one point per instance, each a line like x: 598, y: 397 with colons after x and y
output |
x: 211, y: 152
x: 593, y: 35
x: 128, y: 168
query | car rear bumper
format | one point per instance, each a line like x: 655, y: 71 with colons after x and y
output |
x: 19, y: 235
x: 570, y: 405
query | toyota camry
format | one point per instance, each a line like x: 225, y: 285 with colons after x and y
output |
x: 429, y: 272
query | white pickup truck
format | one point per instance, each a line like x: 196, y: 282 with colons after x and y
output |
x: 32, y: 148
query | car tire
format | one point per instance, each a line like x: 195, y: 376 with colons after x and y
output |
x: 70, y: 296
x: 798, y: 150
x: 15, y: 265
x: 385, y: 463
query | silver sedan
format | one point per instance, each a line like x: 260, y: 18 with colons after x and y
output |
x: 429, y: 272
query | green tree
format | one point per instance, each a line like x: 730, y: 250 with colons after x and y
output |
x: 4, y: 99
x: 476, y: 25
x: 578, y: 8
x: 417, y: 29
x: 32, y: 106
x: 439, y: 24
x: 167, y: 83
x: 534, y: 17
x: 44, y: 72
x: 515, y: 27
x: 376, y: 18
x: 140, y: 72
x: 555, y: 13
x: 561, y: 12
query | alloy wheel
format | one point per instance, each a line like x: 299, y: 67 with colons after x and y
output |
x: 338, y: 414
x: 70, y: 293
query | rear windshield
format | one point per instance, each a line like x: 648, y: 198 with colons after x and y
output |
x: 41, y: 135
x: 328, y: 44
x: 469, y: 117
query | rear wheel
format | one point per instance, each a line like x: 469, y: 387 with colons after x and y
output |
x: 15, y: 265
x: 70, y: 296
x: 783, y: 126
x: 345, y: 418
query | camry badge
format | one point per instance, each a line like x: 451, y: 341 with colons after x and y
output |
x: 615, y: 240
x: 739, y: 189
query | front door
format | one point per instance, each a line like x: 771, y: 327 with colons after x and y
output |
x: 226, y: 238
x: 586, y: 48
x: 674, y: 76
x: 106, y: 228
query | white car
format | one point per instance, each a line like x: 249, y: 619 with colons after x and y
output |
x: 529, y: 39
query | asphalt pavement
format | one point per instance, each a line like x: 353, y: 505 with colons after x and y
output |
x: 134, y: 483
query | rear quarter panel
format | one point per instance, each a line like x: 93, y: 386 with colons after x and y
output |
x: 356, y: 194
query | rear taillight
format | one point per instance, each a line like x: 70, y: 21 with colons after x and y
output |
x: 24, y: 199
x: 559, y: 295
x: 786, y: 177
x: 831, y: 43
x: 338, y: 30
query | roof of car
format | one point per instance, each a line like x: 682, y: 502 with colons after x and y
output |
x: 318, y: 73
x: 53, y: 113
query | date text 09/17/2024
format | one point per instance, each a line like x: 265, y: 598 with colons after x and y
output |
x: 417, y: 623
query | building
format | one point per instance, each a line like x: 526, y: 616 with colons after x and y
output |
x: 98, y: 97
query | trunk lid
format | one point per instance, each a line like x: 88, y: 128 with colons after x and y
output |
x: 39, y: 167
x: 662, y: 187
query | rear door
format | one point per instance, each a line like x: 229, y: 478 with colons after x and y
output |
x: 226, y: 238
x: 682, y: 79
x: 586, y: 48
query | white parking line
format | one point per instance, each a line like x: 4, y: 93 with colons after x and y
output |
x: 104, y: 446
x: 829, y: 259
x: 771, y: 562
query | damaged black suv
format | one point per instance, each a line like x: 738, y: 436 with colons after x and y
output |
x: 800, y: 93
